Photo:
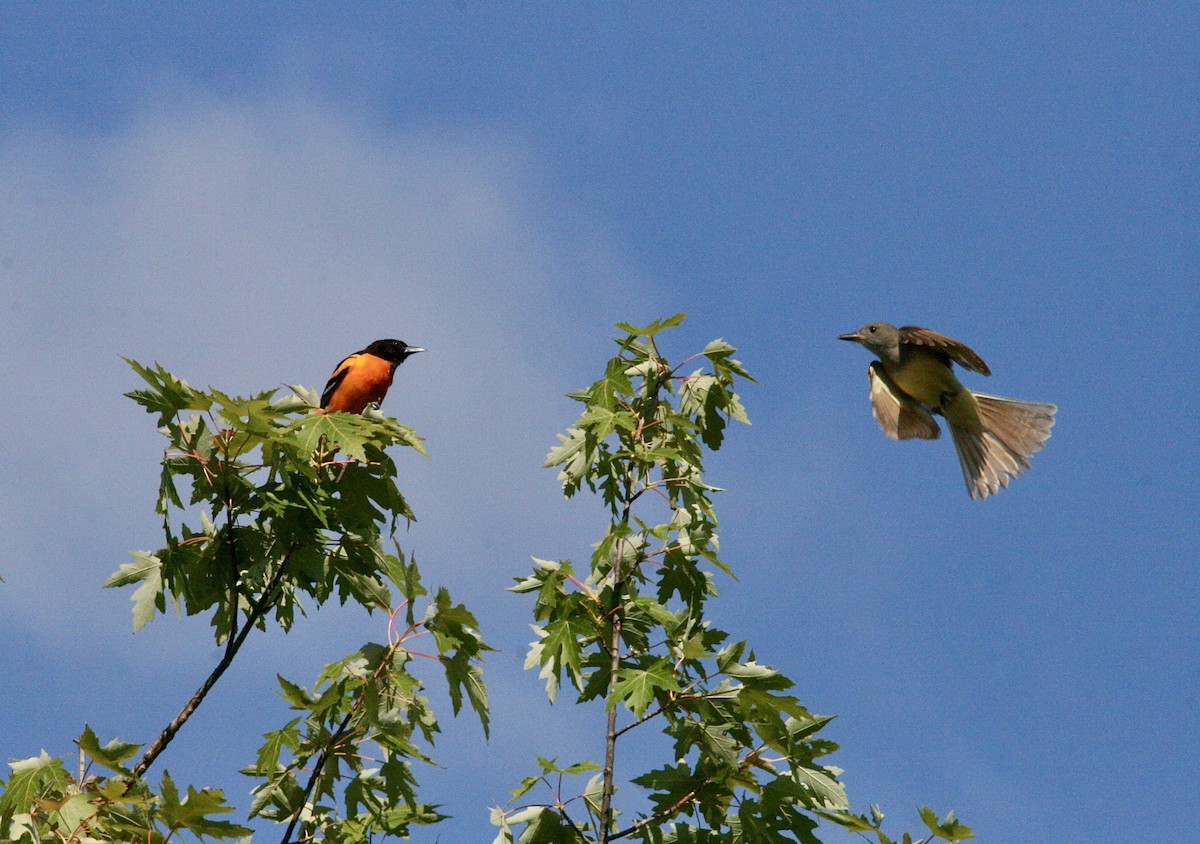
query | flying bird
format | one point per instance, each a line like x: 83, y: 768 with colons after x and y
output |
x: 914, y: 379
x: 364, y: 377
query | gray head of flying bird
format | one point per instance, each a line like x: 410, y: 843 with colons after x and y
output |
x: 914, y: 379
x: 887, y: 342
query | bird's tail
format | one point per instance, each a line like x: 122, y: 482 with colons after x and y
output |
x: 1012, y: 430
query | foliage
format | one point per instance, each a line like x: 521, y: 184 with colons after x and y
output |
x: 269, y: 507
x: 746, y: 758
x: 43, y: 802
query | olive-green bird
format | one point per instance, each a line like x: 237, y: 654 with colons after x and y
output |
x: 913, y: 379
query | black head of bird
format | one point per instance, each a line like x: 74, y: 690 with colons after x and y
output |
x: 394, y: 351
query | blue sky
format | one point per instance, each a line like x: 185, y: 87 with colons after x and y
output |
x: 247, y: 194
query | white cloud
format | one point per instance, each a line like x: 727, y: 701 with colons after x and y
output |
x: 250, y: 244
x: 247, y: 245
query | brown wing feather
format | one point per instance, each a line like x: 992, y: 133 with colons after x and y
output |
x: 960, y: 353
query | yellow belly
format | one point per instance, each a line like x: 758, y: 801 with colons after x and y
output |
x: 924, y: 377
x: 927, y: 379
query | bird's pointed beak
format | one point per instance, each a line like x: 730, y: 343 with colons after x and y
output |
x: 853, y: 337
x: 412, y: 350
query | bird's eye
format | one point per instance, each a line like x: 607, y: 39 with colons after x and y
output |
x: 872, y: 329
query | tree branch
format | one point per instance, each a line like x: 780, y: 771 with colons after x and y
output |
x: 610, y: 732
x: 616, y: 617
x: 257, y: 611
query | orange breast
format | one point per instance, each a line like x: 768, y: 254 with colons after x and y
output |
x: 364, y: 379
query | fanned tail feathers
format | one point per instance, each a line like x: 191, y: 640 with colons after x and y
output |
x: 1012, y: 431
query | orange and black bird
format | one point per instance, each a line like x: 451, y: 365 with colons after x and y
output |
x: 364, y: 377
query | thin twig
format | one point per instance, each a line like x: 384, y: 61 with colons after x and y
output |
x: 316, y: 773
x: 659, y: 816
x: 647, y: 716
x: 336, y: 737
x: 574, y: 826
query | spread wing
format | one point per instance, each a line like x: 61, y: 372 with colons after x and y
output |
x: 956, y: 351
x: 899, y: 415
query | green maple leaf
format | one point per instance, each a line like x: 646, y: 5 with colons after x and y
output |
x: 331, y: 430
x: 948, y: 828
x: 147, y: 598
x: 192, y: 812
x: 110, y: 755
x: 637, y: 686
